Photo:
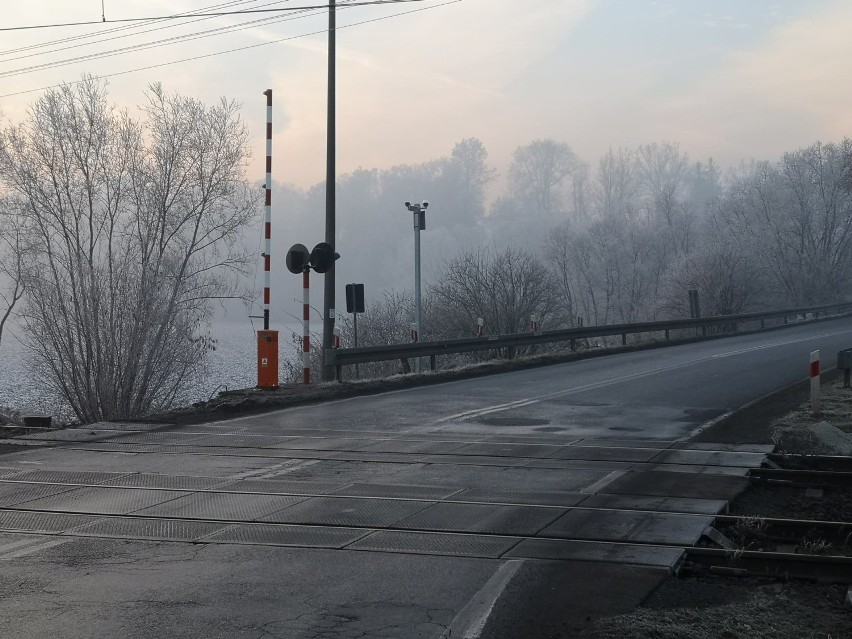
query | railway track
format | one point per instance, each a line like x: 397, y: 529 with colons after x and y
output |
x: 731, y: 545
x: 803, y: 478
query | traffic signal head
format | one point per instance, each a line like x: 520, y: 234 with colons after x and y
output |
x: 298, y: 258
x: 323, y: 257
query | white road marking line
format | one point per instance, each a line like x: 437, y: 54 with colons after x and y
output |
x: 484, y: 411
x: 470, y: 621
x: 17, y: 544
x: 289, y: 466
x: 32, y: 549
x: 608, y: 479
x: 299, y: 465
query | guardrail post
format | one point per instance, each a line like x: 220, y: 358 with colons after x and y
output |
x: 432, y: 363
x: 338, y: 373
x: 624, y: 339
x: 667, y: 334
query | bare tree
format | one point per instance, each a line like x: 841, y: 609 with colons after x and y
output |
x: 664, y: 172
x: 504, y: 288
x: 386, y: 321
x: 536, y: 172
x: 796, y: 217
x: 725, y: 277
x: 135, y: 228
x: 467, y: 173
x: 611, y: 270
x: 617, y: 184
x: 13, y: 251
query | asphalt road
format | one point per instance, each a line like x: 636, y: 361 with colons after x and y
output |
x: 445, y: 510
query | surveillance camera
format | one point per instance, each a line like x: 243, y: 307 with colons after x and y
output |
x: 407, y: 204
x: 425, y: 204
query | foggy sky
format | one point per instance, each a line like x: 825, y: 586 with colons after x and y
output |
x: 729, y: 79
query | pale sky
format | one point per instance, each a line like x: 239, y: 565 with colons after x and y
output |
x: 731, y: 79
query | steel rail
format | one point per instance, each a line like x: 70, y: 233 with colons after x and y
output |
x: 830, y: 463
x: 827, y: 568
x: 823, y: 568
x: 787, y: 531
x: 805, y: 478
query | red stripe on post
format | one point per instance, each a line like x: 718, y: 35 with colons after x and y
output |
x: 266, y: 262
x: 268, y: 200
x: 268, y: 231
x: 266, y: 295
x: 815, y: 369
x: 306, y: 344
x: 269, y: 166
x: 306, y: 312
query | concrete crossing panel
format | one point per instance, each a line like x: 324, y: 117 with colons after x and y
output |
x: 482, y: 518
x: 629, y: 526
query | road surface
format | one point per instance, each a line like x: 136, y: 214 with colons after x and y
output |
x: 508, y: 505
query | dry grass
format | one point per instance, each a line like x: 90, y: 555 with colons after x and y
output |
x: 835, y: 407
x: 777, y: 619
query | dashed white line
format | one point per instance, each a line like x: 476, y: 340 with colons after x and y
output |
x: 608, y: 479
x: 14, y: 554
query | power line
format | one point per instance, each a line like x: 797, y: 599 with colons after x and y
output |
x: 245, y: 48
x: 194, y: 15
x: 88, y: 36
x: 155, y: 44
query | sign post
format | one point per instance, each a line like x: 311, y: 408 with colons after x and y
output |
x: 355, y: 305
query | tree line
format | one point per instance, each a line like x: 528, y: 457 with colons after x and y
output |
x: 118, y: 235
x: 623, y: 240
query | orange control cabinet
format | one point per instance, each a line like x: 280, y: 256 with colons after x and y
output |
x: 267, y: 359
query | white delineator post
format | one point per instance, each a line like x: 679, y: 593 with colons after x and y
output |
x: 815, y: 386
x: 306, y: 327
x: 480, y: 327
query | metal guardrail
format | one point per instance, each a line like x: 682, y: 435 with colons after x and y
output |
x: 344, y: 356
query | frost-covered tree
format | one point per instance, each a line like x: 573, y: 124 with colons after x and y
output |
x: 537, y: 172
x: 135, y: 228
x: 503, y: 287
x: 795, y: 216
x: 13, y: 254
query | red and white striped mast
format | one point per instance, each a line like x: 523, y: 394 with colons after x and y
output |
x: 267, y: 213
x: 267, y: 340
